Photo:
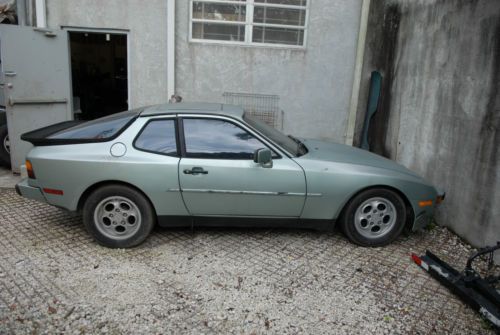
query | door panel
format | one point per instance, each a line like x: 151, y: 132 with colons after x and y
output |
x: 36, y: 78
x: 242, y: 187
x: 219, y: 177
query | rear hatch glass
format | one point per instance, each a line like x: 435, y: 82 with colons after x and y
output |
x: 103, y: 128
x: 73, y: 132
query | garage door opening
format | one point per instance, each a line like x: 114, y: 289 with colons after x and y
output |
x: 99, y: 74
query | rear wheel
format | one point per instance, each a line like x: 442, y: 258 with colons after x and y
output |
x: 118, y: 216
x: 374, y: 217
x: 4, y: 146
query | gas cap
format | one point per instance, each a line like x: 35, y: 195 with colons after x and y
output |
x: 118, y: 149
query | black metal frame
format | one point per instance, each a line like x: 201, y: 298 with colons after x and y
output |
x: 479, y: 293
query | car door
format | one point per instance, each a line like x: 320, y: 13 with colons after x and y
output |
x: 218, y: 176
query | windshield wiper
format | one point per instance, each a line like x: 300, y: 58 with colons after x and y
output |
x: 301, y: 146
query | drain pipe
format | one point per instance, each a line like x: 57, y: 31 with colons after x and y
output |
x: 353, y: 106
x: 21, y: 12
x: 41, y: 13
x: 170, y: 48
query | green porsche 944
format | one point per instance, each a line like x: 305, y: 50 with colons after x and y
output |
x: 211, y: 164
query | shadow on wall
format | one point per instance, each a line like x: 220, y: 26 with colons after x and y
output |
x: 384, y: 62
x: 439, y: 112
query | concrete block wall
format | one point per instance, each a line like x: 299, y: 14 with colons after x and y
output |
x: 440, y: 108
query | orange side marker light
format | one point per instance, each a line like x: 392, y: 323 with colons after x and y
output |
x: 425, y: 203
x: 29, y: 169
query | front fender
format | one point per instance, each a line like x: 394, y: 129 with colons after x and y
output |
x: 333, y: 184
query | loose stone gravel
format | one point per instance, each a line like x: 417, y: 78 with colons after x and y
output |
x: 55, y: 279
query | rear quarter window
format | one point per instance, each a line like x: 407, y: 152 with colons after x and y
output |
x: 159, y: 137
x: 100, y: 129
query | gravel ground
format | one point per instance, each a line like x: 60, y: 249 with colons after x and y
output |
x: 7, y: 178
x: 54, y: 278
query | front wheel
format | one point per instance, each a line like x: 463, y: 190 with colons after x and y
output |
x: 374, y: 217
x: 118, y: 216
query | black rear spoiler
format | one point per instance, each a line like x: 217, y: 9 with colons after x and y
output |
x: 38, y: 137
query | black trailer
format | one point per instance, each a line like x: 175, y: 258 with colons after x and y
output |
x: 479, y: 293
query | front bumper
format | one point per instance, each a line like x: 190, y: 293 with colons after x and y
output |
x: 422, y: 220
x: 425, y: 216
x: 30, y: 192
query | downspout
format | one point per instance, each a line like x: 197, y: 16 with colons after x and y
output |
x: 170, y: 48
x: 41, y: 13
x: 353, y: 106
x: 21, y: 12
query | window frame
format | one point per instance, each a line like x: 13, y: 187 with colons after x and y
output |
x: 177, y: 137
x: 249, y: 24
x: 225, y: 119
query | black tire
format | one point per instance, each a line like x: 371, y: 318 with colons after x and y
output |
x: 111, y: 207
x: 4, y: 153
x: 371, y: 209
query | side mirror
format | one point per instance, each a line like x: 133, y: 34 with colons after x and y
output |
x: 263, y: 157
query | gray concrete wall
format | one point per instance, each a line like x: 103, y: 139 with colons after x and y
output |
x: 440, y: 110
x: 314, y: 85
x: 147, y: 25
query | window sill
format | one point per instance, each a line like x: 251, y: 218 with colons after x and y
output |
x: 246, y: 45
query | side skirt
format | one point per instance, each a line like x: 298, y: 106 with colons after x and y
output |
x: 244, y: 222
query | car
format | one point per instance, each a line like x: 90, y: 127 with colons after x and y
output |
x: 185, y: 164
x: 4, y: 139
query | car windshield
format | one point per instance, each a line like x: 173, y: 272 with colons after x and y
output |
x: 289, y: 143
x: 101, y: 128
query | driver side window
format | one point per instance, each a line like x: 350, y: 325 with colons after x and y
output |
x: 218, y: 139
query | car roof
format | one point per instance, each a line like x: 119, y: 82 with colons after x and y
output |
x: 194, y: 108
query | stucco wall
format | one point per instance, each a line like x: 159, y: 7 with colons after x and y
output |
x: 314, y: 85
x: 147, y: 25
x: 440, y: 109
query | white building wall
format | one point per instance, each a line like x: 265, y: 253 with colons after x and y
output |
x: 314, y: 85
x: 147, y: 25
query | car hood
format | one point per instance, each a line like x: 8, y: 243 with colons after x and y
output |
x: 341, y: 153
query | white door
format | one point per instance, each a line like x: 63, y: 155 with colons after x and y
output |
x: 37, y: 82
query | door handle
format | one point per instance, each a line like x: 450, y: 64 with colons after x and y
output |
x: 10, y: 73
x: 195, y: 170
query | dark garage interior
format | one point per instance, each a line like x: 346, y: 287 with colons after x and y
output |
x: 99, y: 74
